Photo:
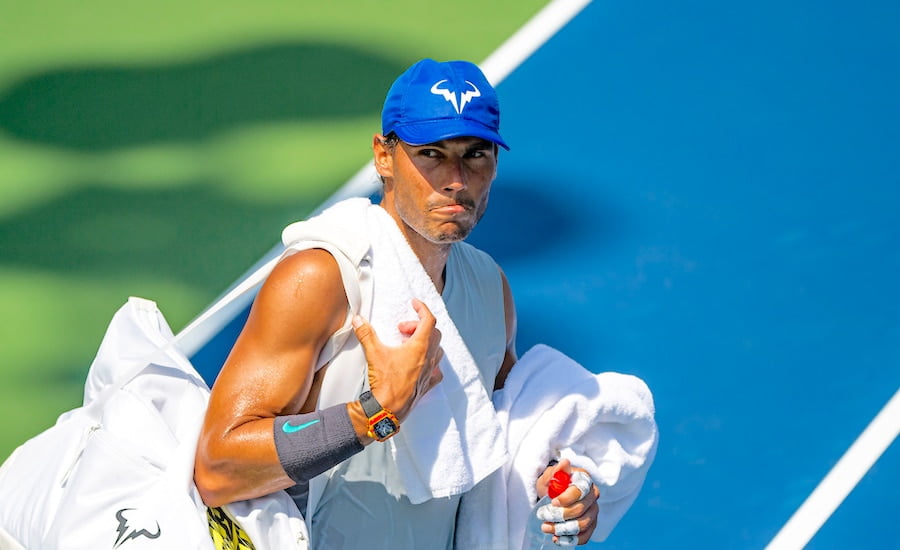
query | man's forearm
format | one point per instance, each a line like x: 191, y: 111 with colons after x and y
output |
x: 311, y: 443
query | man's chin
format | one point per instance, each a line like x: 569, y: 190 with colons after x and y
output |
x: 450, y: 232
x: 449, y: 237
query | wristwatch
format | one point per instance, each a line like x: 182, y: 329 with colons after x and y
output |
x: 382, y: 423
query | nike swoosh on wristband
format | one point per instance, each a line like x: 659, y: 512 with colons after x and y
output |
x: 289, y: 429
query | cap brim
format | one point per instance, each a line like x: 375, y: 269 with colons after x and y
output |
x: 423, y: 133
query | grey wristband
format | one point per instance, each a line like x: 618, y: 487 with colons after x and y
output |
x: 310, y: 443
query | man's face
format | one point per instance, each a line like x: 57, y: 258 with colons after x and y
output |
x: 439, y: 190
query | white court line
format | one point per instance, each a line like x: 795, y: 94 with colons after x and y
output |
x: 528, y: 39
x: 845, y: 475
x: 512, y: 53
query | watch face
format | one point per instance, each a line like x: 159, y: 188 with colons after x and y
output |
x: 383, y: 428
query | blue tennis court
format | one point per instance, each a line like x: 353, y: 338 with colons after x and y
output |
x: 706, y: 195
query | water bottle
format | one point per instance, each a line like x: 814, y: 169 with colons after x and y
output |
x: 535, y: 539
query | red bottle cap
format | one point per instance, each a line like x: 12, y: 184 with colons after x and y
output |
x: 558, y: 483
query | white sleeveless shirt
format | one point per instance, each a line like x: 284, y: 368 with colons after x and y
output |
x: 363, y: 504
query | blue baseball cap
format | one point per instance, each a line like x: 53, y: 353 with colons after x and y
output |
x: 433, y: 101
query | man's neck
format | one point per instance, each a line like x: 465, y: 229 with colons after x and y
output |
x: 432, y: 256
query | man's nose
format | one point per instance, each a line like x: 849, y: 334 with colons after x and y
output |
x: 456, y: 177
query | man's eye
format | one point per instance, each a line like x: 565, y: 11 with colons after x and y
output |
x: 477, y: 154
x: 430, y: 153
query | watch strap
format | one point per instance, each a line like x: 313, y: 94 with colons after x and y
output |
x: 370, y: 405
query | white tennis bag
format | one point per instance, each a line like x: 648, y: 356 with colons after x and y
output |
x: 118, y: 471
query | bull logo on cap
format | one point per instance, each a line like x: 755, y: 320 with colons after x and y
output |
x: 451, y: 96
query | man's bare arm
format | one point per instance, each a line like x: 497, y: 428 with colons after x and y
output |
x: 268, y: 373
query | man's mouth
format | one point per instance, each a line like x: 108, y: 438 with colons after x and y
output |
x: 450, y: 209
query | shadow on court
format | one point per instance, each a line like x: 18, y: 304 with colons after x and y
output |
x: 194, y: 234
x: 108, y: 107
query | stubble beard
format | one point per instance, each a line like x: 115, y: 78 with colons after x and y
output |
x: 462, y: 230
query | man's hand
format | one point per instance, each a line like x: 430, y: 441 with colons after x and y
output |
x: 570, y: 505
x: 400, y: 375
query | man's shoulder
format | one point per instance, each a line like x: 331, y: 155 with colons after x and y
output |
x: 472, y: 254
x: 470, y: 261
x: 313, y: 266
x: 342, y: 225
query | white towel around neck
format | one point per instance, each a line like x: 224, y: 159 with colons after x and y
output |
x: 451, y: 439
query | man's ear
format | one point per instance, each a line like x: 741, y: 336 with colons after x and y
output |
x: 384, y: 159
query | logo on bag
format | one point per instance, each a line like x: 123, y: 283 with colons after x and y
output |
x: 136, y: 528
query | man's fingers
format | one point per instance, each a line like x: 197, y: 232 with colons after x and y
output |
x: 569, y: 527
x: 364, y: 332
x: 571, y: 503
x: 543, y: 482
x: 588, y: 523
x: 551, y: 513
x: 407, y: 328
x: 576, y: 509
x: 583, y: 482
x: 574, y: 526
x: 581, y: 488
x: 570, y: 532
x: 427, y: 321
x: 570, y: 517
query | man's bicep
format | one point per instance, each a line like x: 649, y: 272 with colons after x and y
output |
x: 270, y: 369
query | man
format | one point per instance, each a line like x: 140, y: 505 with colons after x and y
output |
x: 266, y: 428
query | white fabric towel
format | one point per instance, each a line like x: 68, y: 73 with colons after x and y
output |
x: 553, y: 407
x: 449, y: 442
